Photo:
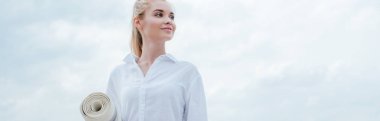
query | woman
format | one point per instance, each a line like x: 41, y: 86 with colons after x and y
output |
x: 152, y: 85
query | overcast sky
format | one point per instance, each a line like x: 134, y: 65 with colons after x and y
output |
x: 261, y: 60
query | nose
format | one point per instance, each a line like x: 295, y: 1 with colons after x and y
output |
x: 169, y: 21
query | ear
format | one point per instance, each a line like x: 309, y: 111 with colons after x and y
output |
x: 137, y: 23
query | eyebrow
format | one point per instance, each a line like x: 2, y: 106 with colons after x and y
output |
x: 160, y: 10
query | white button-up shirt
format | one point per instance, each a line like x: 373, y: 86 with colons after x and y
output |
x: 171, y: 90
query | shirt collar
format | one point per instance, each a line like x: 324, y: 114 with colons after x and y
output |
x: 132, y: 58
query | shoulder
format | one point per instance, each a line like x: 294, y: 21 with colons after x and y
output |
x: 126, y: 64
x: 187, y: 66
x: 187, y: 72
x: 184, y: 65
x: 120, y: 70
x: 190, y: 77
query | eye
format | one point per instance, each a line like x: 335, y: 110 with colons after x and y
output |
x: 171, y: 17
x: 158, y: 14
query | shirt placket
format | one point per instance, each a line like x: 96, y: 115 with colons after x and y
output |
x: 142, y: 90
x: 142, y: 101
x: 142, y: 93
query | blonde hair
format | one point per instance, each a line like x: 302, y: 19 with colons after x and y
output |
x: 138, y: 12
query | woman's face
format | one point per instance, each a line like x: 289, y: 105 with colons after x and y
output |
x: 158, y: 21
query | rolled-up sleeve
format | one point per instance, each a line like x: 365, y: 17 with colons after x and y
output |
x: 196, y: 107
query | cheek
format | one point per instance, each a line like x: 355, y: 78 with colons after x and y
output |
x: 152, y: 27
x: 153, y: 24
x: 174, y: 26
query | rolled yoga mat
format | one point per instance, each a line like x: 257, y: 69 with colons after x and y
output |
x: 98, y: 107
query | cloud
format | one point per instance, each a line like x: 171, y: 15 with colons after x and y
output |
x: 48, y: 58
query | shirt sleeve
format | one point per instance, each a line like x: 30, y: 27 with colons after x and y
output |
x: 113, y: 95
x: 196, y: 108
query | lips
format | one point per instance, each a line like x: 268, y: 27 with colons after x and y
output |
x: 167, y: 28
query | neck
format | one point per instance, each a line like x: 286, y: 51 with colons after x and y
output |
x: 150, y: 51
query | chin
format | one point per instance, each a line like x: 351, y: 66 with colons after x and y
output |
x: 167, y: 38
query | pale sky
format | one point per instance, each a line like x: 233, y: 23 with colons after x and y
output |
x: 261, y: 60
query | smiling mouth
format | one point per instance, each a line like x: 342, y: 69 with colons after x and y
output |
x: 167, y: 29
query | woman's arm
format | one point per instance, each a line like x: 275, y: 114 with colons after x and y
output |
x: 196, y: 108
x: 113, y: 95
